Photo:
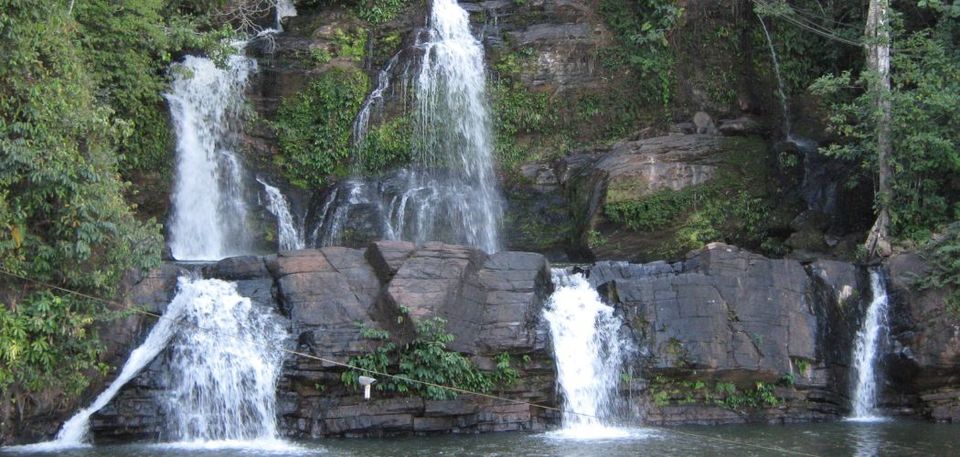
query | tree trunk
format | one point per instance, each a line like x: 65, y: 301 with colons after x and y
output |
x: 877, y: 39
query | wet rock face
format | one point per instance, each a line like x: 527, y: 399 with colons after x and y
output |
x: 724, y: 311
x: 564, y: 35
x: 631, y: 171
x: 925, y: 362
x: 722, y: 315
x: 331, y: 295
x: 725, y: 315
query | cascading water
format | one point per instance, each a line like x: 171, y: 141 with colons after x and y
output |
x: 589, y: 350
x: 866, y: 351
x: 225, y: 359
x: 209, y: 210
x: 819, y: 186
x: 372, y: 103
x: 284, y: 8
x: 223, y: 368
x: 289, y: 236
x: 454, y: 151
x: 780, y: 86
x: 450, y: 192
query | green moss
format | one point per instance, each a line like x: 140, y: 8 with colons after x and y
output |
x: 664, y: 392
x: 654, y: 212
x: 386, y: 145
x: 736, y: 206
x: 314, y: 127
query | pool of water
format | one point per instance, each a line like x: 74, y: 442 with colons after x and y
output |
x: 833, y: 439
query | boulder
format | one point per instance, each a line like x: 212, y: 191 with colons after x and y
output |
x: 234, y: 268
x: 744, y: 125
x: 517, y: 284
x: 386, y: 257
x: 724, y: 311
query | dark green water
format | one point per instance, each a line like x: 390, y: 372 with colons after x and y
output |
x: 835, y: 439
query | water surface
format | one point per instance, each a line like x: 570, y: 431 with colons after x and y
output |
x: 834, y: 439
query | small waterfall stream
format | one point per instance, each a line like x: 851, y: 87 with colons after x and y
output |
x: 209, y: 210
x: 780, y: 86
x: 284, y: 8
x: 589, y: 349
x: 867, y: 350
x: 289, y: 235
x: 224, y: 361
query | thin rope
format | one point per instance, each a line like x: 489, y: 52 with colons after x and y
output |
x: 427, y: 383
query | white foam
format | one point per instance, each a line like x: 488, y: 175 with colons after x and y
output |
x: 259, y: 446
x: 596, y: 432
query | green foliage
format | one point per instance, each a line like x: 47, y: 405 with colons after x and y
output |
x: 427, y: 359
x: 63, y: 219
x: 352, y: 45
x: 387, y: 145
x: 519, y: 111
x: 48, y: 341
x: 128, y: 48
x: 926, y: 143
x: 504, y: 374
x: 804, y: 56
x: 378, y: 11
x: 642, y: 29
x: 320, y: 56
x: 736, y: 207
x: 664, y: 391
x: 314, y: 127
x: 654, y: 212
x: 943, y: 254
x: 595, y: 239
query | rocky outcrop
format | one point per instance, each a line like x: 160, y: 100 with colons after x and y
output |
x: 723, y: 336
x: 924, y: 365
x: 633, y: 171
x: 332, y: 297
x: 730, y: 318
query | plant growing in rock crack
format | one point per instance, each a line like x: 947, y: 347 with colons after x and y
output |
x: 425, y: 364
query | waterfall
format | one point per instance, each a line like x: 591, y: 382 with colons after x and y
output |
x: 780, y: 86
x: 867, y: 350
x: 289, y: 237
x: 226, y: 357
x: 209, y: 211
x: 589, y: 349
x: 450, y: 192
x: 284, y: 8
x: 223, y: 368
x: 372, y: 102
x: 454, y: 150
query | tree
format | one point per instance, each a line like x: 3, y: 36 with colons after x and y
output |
x: 877, y: 43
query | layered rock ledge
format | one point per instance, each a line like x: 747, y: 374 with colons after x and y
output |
x: 705, y: 333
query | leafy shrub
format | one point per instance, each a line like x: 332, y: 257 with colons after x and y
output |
x: 386, y: 145
x: 944, y: 257
x: 428, y: 360
x: 314, y: 127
